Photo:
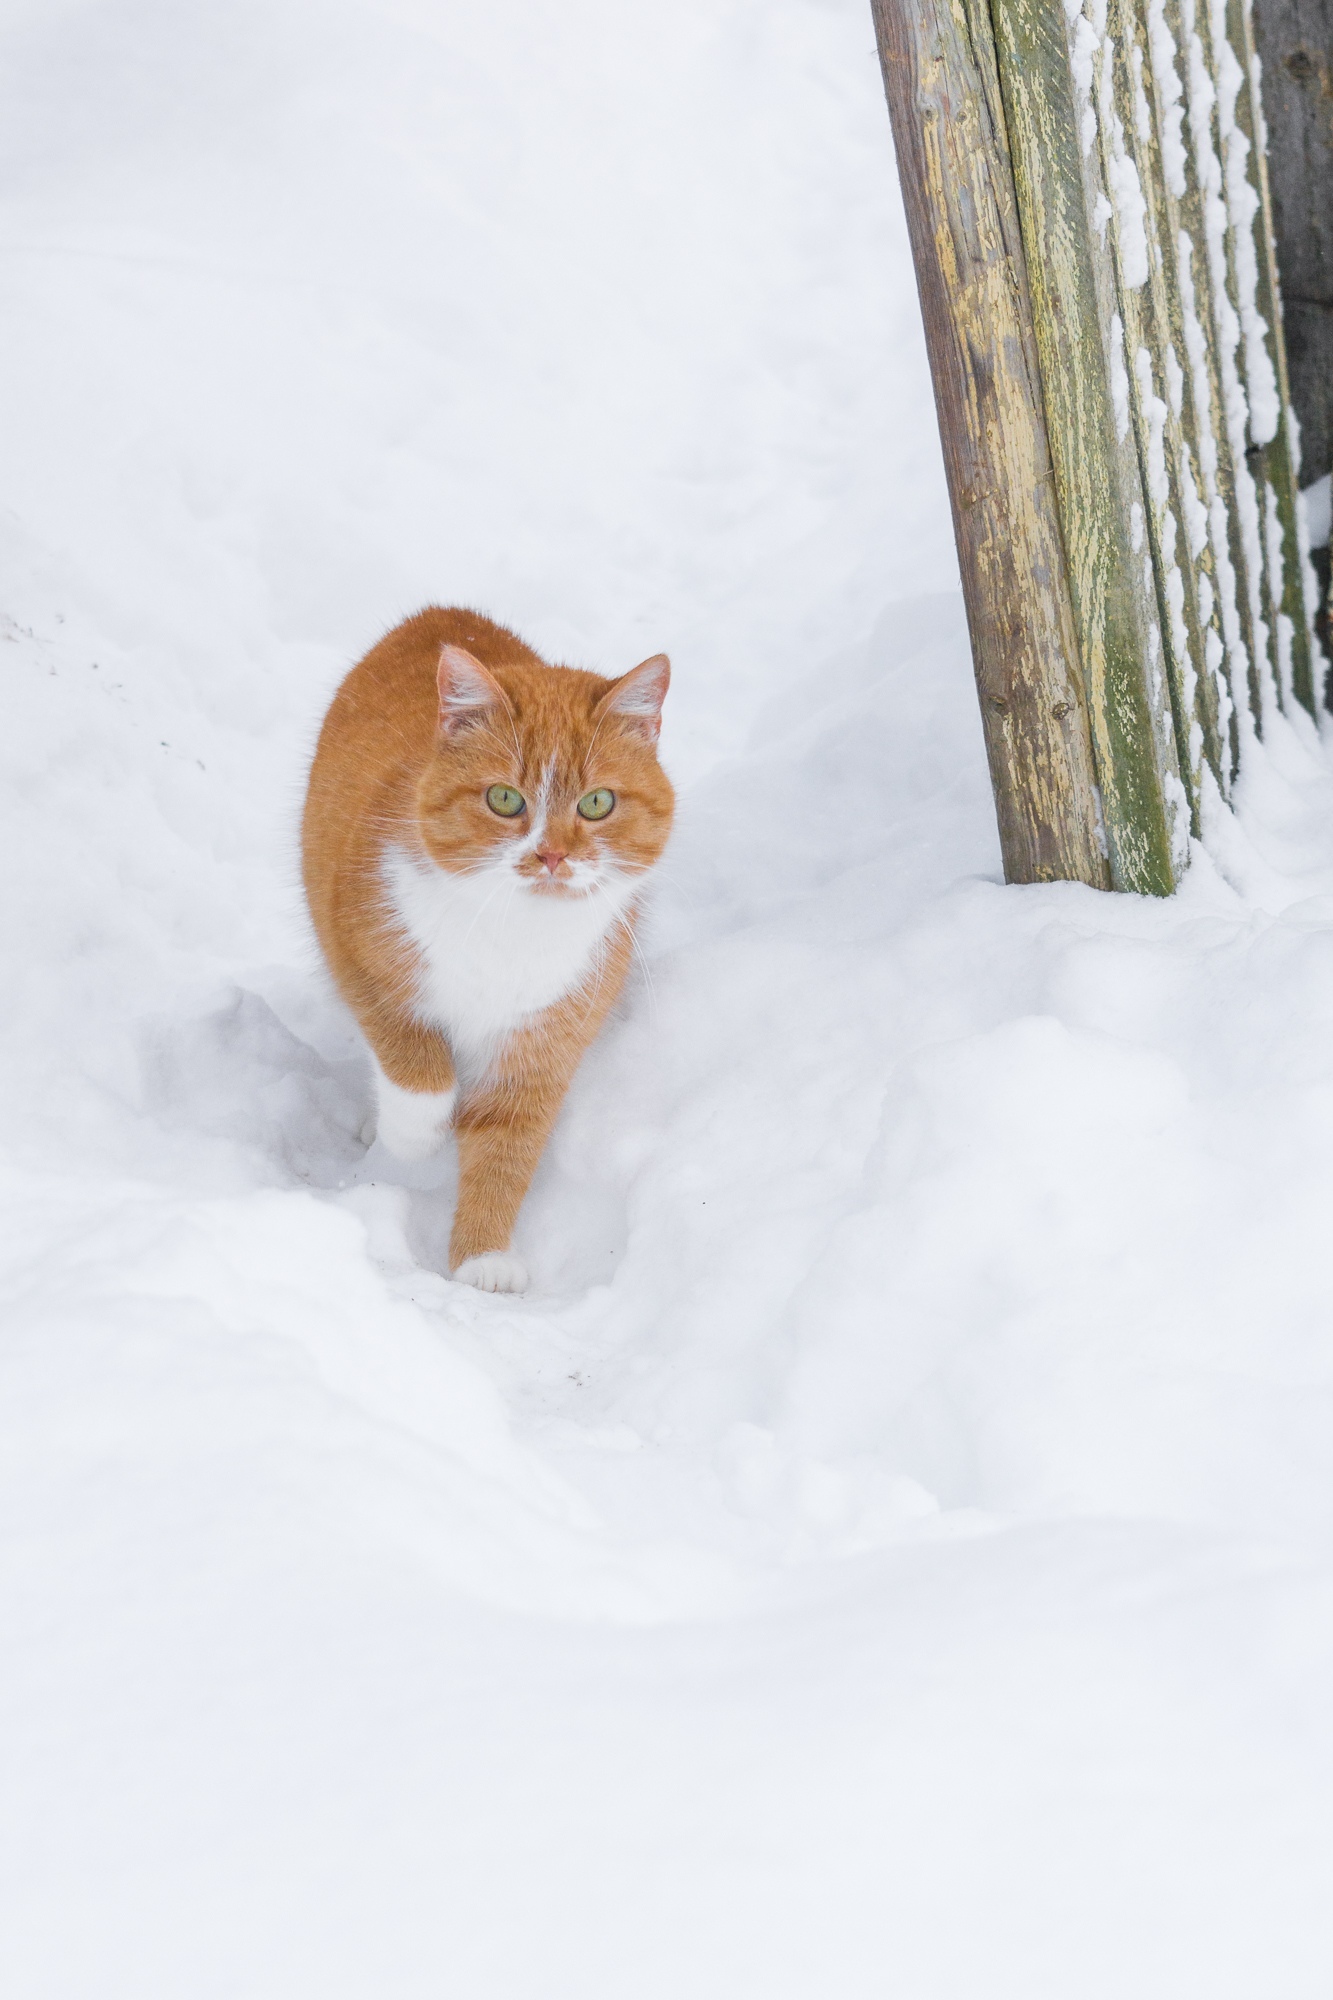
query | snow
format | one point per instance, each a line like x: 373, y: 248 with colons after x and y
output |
x: 1275, y: 555
x: 1131, y: 208
x: 889, y: 1550
x: 1084, y: 48
x: 1315, y: 500
x: 1170, y: 97
x: 1230, y: 669
x: 1158, y: 486
x: 1119, y: 378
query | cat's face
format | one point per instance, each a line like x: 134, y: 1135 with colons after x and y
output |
x: 546, y: 778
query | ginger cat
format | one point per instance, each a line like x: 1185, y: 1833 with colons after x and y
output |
x: 478, y: 828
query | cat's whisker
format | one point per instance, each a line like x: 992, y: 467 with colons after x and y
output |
x: 646, y: 970
x: 487, y: 900
x: 514, y: 887
x: 599, y: 967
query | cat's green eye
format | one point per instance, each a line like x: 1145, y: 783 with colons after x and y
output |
x: 503, y: 799
x: 596, y: 805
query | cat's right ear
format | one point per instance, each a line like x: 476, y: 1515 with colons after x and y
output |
x: 638, y: 696
x: 467, y: 692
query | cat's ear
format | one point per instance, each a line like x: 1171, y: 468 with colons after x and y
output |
x: 637, y: 696
x: 467, y: 691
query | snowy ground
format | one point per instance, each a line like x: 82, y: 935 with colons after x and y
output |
x: 891, y: 1552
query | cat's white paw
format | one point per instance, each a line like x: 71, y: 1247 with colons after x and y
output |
x: 411, y: 1123
x: 494, y: 1271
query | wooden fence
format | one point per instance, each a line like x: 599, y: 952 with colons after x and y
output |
x: 1088, y: 207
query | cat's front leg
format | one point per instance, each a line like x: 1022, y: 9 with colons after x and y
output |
x: 415, y: 1086
x: 411, y: 1123
x: 501, y: 1133
x: 503, y: 1127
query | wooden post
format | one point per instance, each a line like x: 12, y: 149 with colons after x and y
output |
x: 1184, y: 573
x: 1207, y: 395
x: 1295, y: 40
x: 953, y: 158
x: 1077, y: 322
x: 1088, y: 207
x: 1294, y: 634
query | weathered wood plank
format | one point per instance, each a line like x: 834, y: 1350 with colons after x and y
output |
x: 1072, y: 285
x: 953, y: 157
x: 1277, y: 455
x: 1191, y: 394
x: 1295, y: 41
x: 1148, y: 293
x: 1203, y: 313
x: 1090, y: 218
x: 1217, y: 152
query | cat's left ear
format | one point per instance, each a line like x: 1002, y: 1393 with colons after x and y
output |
x: 637, y: 696
x: 467, y: 692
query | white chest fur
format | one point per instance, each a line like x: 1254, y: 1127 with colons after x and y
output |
x: 493, y: 953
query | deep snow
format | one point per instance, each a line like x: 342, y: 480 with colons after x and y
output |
x: 889, y: 1551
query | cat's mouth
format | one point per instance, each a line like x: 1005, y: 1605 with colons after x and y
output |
x: 566, y: 887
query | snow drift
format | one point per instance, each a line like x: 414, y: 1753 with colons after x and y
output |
x: 888, y: 1552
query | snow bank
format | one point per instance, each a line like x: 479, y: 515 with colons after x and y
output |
x: 889, y: 1551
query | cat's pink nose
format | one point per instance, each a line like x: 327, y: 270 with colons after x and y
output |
x: 550, y: 857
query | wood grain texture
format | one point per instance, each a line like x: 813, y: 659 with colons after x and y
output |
x: 1295, y: 44
x: 1247, y: 505
x: 1206, y: 391
x: 1277, y: 459
x: 1072, y: 288
x: 953, y: 157
x: 1180, y: 266
x: 1153, y: 321
x: 1093, y: 240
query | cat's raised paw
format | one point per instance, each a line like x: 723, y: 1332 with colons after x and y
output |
x: 493, y: 1271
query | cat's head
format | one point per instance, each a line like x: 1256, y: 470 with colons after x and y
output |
x: 546, y: 776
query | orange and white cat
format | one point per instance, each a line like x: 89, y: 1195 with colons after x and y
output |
x: 478, y: 829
